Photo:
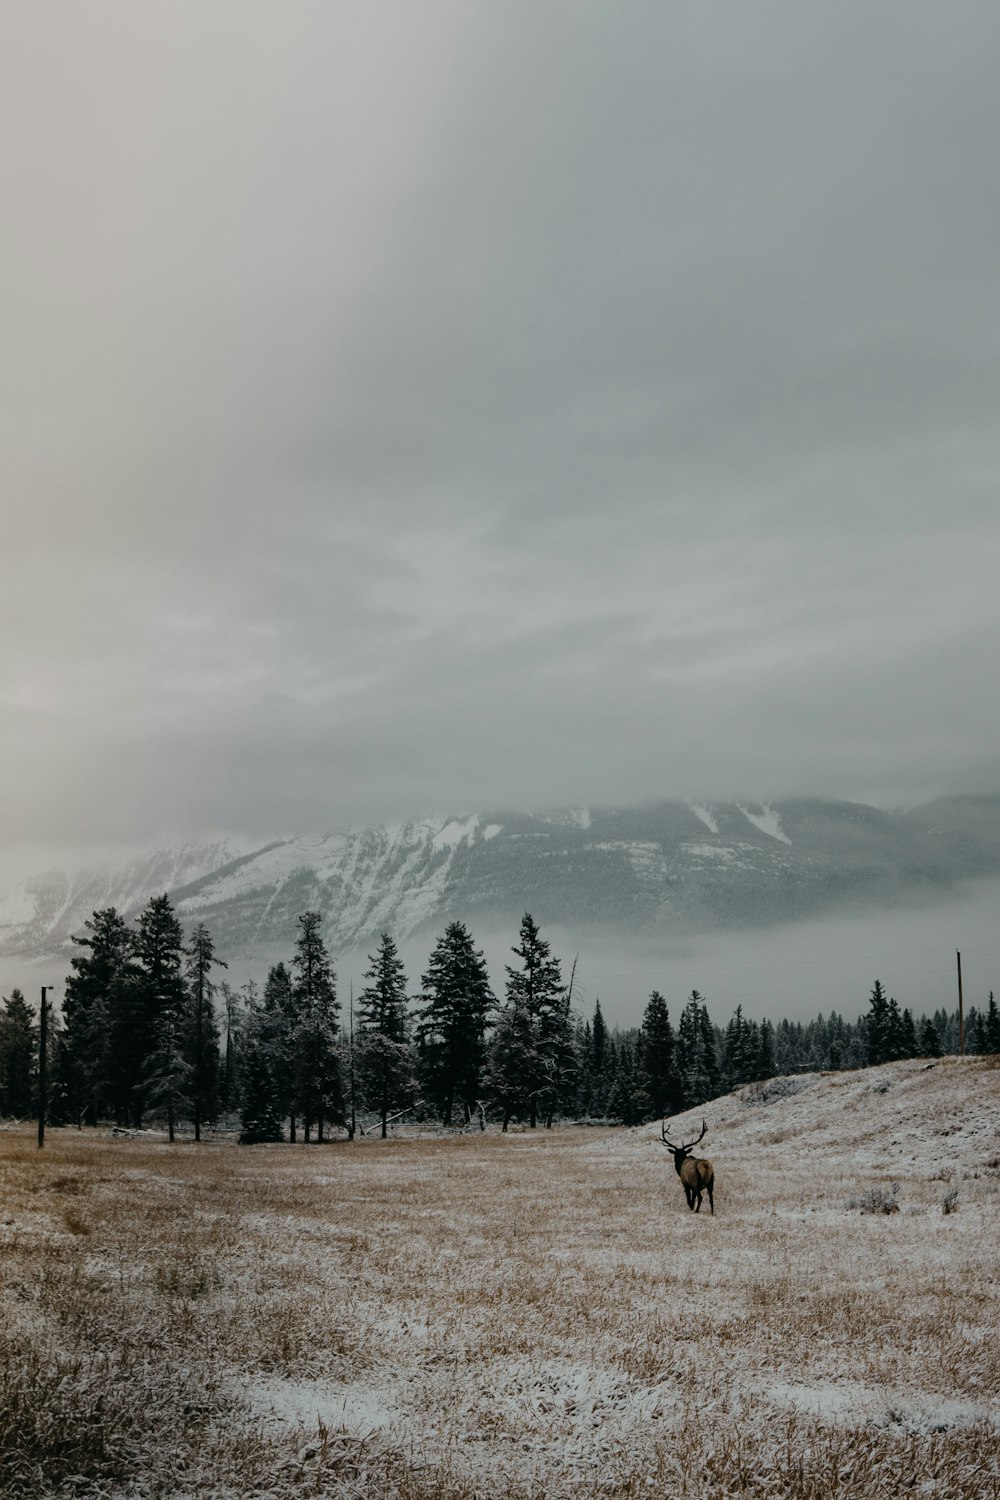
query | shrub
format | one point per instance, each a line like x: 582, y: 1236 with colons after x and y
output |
x: 878, y: 1200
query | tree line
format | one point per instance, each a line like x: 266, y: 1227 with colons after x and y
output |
x: 149, y: 1031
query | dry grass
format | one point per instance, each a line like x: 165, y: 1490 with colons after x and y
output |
x: 536, y: 1315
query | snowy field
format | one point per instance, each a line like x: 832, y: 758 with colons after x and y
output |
x: 530, y: 1315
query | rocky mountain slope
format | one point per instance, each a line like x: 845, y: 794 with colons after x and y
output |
x: 665, y: 867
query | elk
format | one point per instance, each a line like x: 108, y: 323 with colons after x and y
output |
x: 696, y: 1173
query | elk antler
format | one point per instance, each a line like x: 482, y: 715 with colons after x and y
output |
x: 690, y: 1146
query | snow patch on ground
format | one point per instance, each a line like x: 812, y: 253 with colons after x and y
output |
x: 856, y: 1403
x: 282, y: 1402
x: 576, y: 1398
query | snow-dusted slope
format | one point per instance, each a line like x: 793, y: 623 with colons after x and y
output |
x: 37, y: 917
x: 668, y: 866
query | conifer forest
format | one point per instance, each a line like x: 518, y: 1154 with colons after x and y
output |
x: 151, y: 1032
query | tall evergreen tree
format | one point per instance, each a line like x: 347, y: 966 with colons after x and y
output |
x: 895, y: 1032
x: 18, y: 1056
x: 95, y: 992
x: 167, y: 1077
x: 259, y: 1118
x: 788, y: 1047
x: 512, y: 1064
x: 318, y: 1082
x: 265, y: 1069
x: 741, y: 1051
x: 585, y: 1073
x: 660, y: 1076
x: 877, y: 1023
x: 765, y: 1052
x: 600, y: 1081
x: 205, y: 1059
x: 560, y: 1056
x: 274, y: 1029
x: 930, y: 1039
x: 710, y: 1053
x: 234, y: 1016
x: 697, y: 1052
x: 627, y: 1097
x: 455, y: 1015
x: 384, y: 1057
x: 537, y: 995
x: 992, y: 1026
x: 152, y: 1026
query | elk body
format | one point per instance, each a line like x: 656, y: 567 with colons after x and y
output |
x: 696, y: 1173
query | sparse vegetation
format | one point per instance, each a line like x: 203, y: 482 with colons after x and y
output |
x: 880, y: 1199
x: 530, y: 1315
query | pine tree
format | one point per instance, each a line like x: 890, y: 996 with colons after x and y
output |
x: 788, y: 1048
x: 512, y: 1064
x: 893, y: 1031
x: 765, y: 1051
x: 274, y: 1027
x: 102, y: 974
x: 204, y: 1040
x: 229, y: 1082
x: 456, y: 1008
x: 265, y: 1063
x: 975, y: 1031
x: 167, y: 1078
x: 600, y: 1081
x: 385, y: 1060
x: 741, y: 1048
x: 18, y: 1056
x: 318, y: 1082
x: 627, y: 1099
x: 930, y: 1039
x: 947, y: 1027
x: 585, y: 1075
x: 535, y: 990
x: 689, y: 1051
x: 559, y: 1057
x: 710, y: 1054
x: 660, y: 1077
x: 992, y: 1026
x: 839, y: 1046
x: 260, y: 1118
x: 698, y: 1053
x: 877, y: 1026
x: 153, y: 1025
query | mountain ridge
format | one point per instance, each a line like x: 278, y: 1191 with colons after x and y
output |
x: 665, y: 866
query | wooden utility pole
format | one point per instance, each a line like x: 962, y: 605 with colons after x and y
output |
x: 961, y: 1010
x: 43, y: 1037
x: 354, y: 1118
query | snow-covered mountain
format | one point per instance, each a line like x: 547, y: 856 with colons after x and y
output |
x: 665, y: 867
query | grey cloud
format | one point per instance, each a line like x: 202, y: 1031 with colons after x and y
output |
x: 434, y: 408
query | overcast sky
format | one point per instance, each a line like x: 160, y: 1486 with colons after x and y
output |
x: 423, y: 406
